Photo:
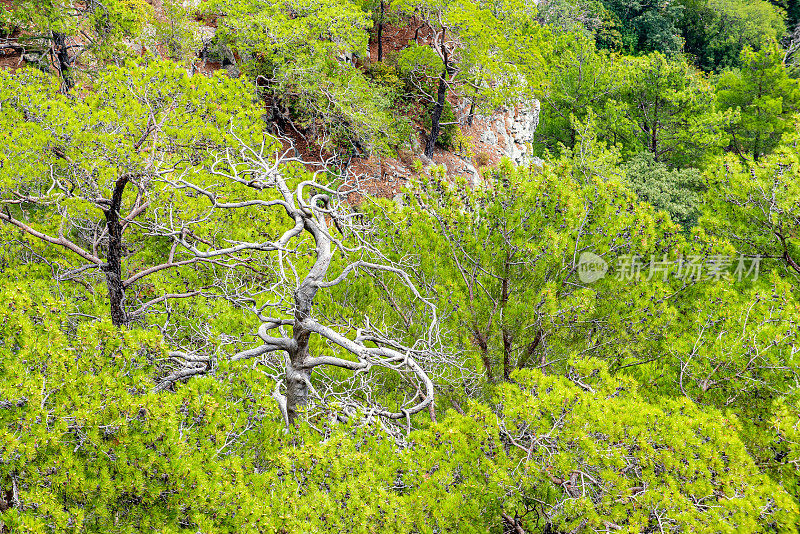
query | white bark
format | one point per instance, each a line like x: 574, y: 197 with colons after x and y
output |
x: 315, y: 209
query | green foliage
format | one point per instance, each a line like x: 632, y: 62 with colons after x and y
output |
x: 667, y: 107
x: 279, y: 30
x: 388, y: 76
x: 145, y: 123
x: 489, y: 52
x: 648, y: 25
x: 594, y: 454
x: 420, y: 67
x: 87, y: 445
x: 502, y: 258
x: 88, y: 140
x: 581, y: 80
x: 113, y: 19
x: 95, y: 33
x: 124, y: 18
x: 103, y: 132
x: 617, y: 404
x: 298, y: 48
x: 713, y: 32
x: 587, y: 16
x: 765, y: 96
x: 676, y: 191
x: 716, y: 31
x: 786, y: 446
x: 734, y: 343
x: 90, y: 448
x: 754, y: 204
x: 653, y: 102
x: 175, y: 32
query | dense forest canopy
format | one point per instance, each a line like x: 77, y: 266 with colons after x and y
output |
x: 400, y: 266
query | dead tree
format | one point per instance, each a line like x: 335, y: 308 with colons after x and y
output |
x: 320, y: 225
x: 154, y: 209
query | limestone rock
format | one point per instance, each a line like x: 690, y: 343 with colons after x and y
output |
x: 511, y: 131
x: 520, y: 126
x: 472, y: 173
x: 489, y: 137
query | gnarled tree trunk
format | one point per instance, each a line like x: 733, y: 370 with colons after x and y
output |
x: 63, y: 61
x: 315, y: 214
x: 113, y: 266
x: 436, y: 116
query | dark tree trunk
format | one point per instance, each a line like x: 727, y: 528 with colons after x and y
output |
x: 530, y: 350
x: 654, y: 130
x: 436, y: 116
x: 508, y: 340
x: 380, y: 33
x: 512, y: 525
x: 756, y: 148
x: 483, y: 345
x: 508, y: 337
x: 471, y: 115
x: 113, y: 265
x: 63, y: 61
x: 793, y: 264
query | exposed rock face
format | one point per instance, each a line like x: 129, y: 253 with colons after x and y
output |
x: 472, y: 173
x: 206, y: 34
x: 512, y: 130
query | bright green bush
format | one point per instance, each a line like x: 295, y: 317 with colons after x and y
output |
x: 590, y: 453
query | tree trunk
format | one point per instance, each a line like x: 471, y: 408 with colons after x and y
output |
x: 530, y: 349
x: 508, y: 337
x: 63, y: 62
x: 297, y: 376
x: 756, y: 147
x: 508, y: 340
x: 380, y: 33
x: 483, y: 345
x: 113, y: 266
x: 654, y: 143
x: 471, y: 115
x: 436, y: 116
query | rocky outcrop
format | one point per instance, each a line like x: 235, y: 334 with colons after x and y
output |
x: 511, y: 130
